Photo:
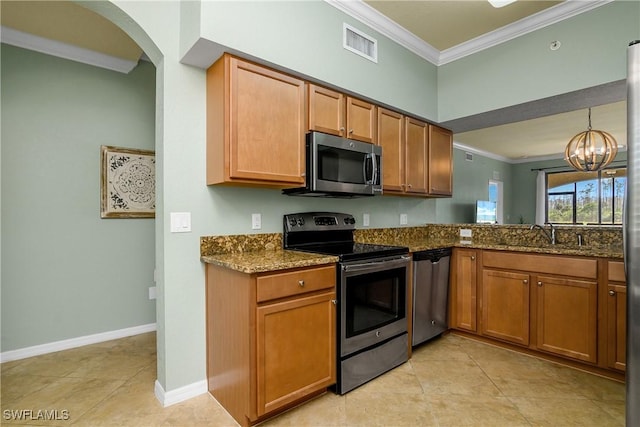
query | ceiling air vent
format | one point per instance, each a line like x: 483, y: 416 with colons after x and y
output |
x: 360, y: 43
x: 468, y: 157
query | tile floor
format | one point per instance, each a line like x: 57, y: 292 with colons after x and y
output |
x: 452, y: 381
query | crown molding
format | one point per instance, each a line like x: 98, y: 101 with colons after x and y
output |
x: 482, y: 153
x: 364, y: 13
x: 65, y: 50
x: 369, y: 16
x: 544, y: 18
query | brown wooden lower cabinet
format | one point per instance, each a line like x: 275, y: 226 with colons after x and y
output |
x: 616, y: 316
x: 505, y: 305
x: 270, y: 338
x: 561, y: 307
x: 295, y: 356
x: 567, y: 312
x: 463, y: 306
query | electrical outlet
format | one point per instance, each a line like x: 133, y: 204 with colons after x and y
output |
x: 365, y: 220
x: 256, y: 221
x: 403, y: 219
x: 465, y: 232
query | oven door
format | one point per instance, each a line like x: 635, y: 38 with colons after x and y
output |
x: 373, y: 302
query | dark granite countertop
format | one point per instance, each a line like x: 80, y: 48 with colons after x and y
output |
x: 260, y: 261
x: 257, y: 253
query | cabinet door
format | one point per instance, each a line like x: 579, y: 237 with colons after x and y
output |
x: 417, y: 134
x: 440, y: 161
x: 567, y: 317
x: 505, y: 305
x: 266, y: 129
x: 361, y: 120
x: 326, y: 110
x: 464, y: 288
x: 391, y: 139
x: 296, y: 353
x: 617, y: 325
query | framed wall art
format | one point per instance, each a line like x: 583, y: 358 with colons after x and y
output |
x: 127, y: 183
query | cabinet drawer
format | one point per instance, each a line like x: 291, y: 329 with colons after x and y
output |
x: 289, y: 283
x: 547, y: 264
x: 616, y: 271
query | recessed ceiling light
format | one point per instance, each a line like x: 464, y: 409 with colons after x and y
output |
x: 500, y: 3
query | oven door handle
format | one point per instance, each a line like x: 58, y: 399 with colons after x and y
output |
x: 374, y: 264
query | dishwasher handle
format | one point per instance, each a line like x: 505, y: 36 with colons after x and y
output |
x: 433, y: 255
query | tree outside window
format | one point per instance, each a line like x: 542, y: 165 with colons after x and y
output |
x: 586, y: 197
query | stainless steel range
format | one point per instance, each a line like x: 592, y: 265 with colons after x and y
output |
x: 372, y: 294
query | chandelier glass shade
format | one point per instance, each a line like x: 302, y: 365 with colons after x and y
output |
x: 591, y: 150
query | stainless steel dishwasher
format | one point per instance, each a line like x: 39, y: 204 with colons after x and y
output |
x: 430, y: 293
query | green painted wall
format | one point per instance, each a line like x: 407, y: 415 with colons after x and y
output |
x: 593, y: 52
x: 311, y: 43
x: 65, y: 272
x: 471, y: 183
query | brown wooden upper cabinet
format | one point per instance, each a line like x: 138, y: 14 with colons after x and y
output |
x: 255, y: 125
x: 440, y: 157
x: 417, y: 156
x: 335, y: 113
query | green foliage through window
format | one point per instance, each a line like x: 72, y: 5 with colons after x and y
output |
x: 586, y: 197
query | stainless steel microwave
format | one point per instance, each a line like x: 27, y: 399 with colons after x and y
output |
x: 340, y: 167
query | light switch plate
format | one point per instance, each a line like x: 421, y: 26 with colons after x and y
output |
x: 256, y: 221
x: 365, y: 220
x: 403, y: 219
x: 180, y: 222
x: 152, y: 292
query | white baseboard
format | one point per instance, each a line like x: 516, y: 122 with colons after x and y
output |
x: 52, y: 347
x: 168, y: 398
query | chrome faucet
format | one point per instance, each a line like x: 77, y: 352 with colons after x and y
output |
x: 551, y: 235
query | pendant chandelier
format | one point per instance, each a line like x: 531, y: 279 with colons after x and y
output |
x: 591, y: 150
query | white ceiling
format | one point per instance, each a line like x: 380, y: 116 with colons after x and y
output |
x: 439, y: 31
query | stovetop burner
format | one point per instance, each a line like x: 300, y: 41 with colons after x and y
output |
x: 332, y: 234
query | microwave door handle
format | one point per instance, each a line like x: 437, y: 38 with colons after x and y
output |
x: 374, y: 172
x: 369, y: 159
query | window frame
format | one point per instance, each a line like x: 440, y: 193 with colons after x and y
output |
x: 599, y: 195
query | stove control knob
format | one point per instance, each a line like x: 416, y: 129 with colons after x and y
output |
x: 301, y: 221
x: 292, y: 222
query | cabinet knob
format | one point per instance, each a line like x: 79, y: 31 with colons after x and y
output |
x: 334, y: 301
x: 342, y: 129
x: 539, y: 283
x: 612, y: 293
x: 525, y: 281
x: 301, y: 283
x: 473, y: 258
x: 350, y: 131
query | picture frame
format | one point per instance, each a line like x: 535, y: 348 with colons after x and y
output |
x: 127, y: 183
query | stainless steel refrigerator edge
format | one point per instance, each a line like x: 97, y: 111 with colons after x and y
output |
x: 632, y: 235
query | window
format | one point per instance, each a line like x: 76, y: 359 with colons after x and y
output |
x: 495, y: 195
x: 586, y: 197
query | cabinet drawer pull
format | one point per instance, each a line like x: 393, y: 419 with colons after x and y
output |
x: 539, y: 283
x: 301, y: 283
x: 525, y: 281
x: 612, y: 293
